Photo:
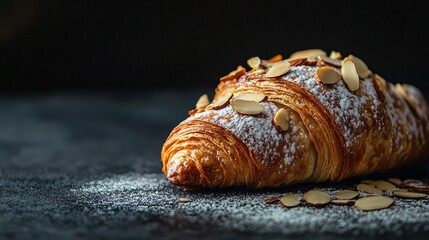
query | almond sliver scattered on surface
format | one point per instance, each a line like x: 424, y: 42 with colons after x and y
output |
x: 346, y: 194
x: 317, y: 198
x: 373, y: 203
x: 407, y: 194
x: 290, y: 200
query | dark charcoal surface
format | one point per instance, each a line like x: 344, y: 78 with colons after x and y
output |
x: 81, y: 166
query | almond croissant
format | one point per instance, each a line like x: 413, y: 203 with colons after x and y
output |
x: 310, y: 118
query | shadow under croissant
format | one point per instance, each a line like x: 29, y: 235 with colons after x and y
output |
x: 417, y: 171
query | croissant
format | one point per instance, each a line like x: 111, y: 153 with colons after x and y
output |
x: 309, y: 118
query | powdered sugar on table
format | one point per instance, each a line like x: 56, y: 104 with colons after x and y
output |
x: 245, y: 211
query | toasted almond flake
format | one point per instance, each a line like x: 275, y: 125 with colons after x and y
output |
x: 373, y: 203
x: 384, y: 185
x: 278, y: 69
x: 290, y: 200
x: 246, y: 107
x: 368, y: 189
x: 281, y: 120
x: 330, y: 61
x: 270, y: 62
x: 251, y: 96
x: 297, y: 61
x: 276, y: 58
x: 256, y: 71
x: 266, y: 64
x: 361, y: 67
x: 416, y: 186
x: 327, y: 75
x: 380, y: 87
x: 346, y: 194
x: 271, y: 200
x: 254, y: 62
x: 317, y: 198
x: 342, y: 202
x: 311, y: 61
x: 407, y: 98
x: 412, y: 181
x: 221, y: 102
x: 203, y: 101
x: 234, y: 74
x: 350, y: 75
x: 308, y: 53
x: 335, y: 55
x: 405, y: 194
x: 184, y: 200
x: 193, y: 112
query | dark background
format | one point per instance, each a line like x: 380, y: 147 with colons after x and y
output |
x: 90, y: 90
x: 111, y: 45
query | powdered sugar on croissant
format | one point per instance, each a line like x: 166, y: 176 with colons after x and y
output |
x: 258, y: 133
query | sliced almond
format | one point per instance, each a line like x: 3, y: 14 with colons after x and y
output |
x: 234, y: 74
x: 330, y: 61
x: 281, y: 120
x: 317, y: 198
x: 335, y: 55
x: 251, y: 96
x: 327, y: 75
x: 297, y: 62
x: 271, y: 200
x: 373, y: 203
x: 368, y: 189
x: 350, y: 76
x: 254, y: 62
x: 346, y: 194
x: 380, y: 87
x: 256, y: 71
x: 221, y: 102
x: 412, y: 181
x: 311, y: 61
x: 416, y: 186
x: 184, y: 200
x: 407, y: 98
x: 405, y: 194
x: 246, y: 107
x: 278, y: 69
x: 308, y: 53
x: 203, y: 101
x: 342, y: 202
x: 361, y: 67
x: 384, y: 185
x: 290, y: 200
x: 276, y: 58
x: 270, y: 62
x: 193, y: 112
x: 266, y: 64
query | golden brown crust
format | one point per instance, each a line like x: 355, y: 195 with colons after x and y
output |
x: 330, y: 138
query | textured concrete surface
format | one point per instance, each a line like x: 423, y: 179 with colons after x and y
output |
x: 86, y: 166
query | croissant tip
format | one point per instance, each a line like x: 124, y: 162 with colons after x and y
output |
x: 185, y: 173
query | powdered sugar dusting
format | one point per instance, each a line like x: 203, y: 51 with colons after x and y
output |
x: 257, y: 132
x: 346, y: 107
x: 235, y: 210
